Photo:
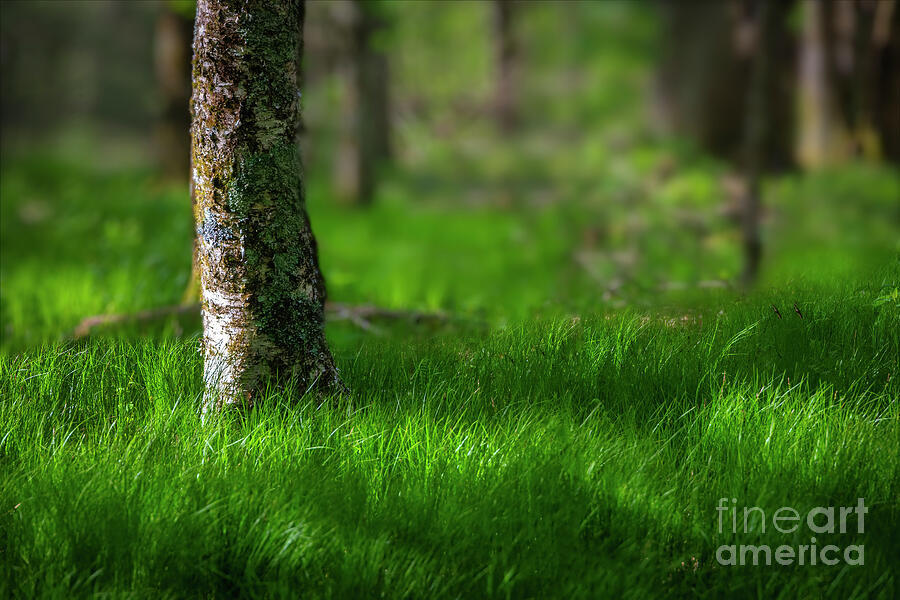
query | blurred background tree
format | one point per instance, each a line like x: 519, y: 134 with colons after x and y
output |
x: 78, y: 64
x: 849, y: 82
x: 705, y: 74
x: 364, y: 138
x: 505, y: 56
x: 172, y: 60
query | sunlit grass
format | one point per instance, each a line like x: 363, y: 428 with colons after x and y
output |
x: 567, y: 433
x: 567, y: 459
x: 551, y: 440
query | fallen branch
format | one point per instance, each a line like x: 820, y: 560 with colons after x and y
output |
x: 703, y: 284
x: 89, y: 324
x: 613, y: 286
x: 367, y: 311
x: 361, y: 316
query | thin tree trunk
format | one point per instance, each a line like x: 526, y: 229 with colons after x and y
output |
x: 505, y: 56
x: 172, y: 62
x: 263, y: 294
x: 756, y: 126
x: 378, y: 70
x: 364, y: 141
x: 821, y: 136
x: 354, y: 171
x: 172, y: 57
x: 705, y: 71
x: 886, y: 96
x: 864, y: 74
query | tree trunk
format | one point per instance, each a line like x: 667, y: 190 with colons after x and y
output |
x: 172, y: 63
x: 365, y: 124
x: 505, y: 56
x: 172, y: 58
x: 705, y: 71
x: 863, y: 51
x: 822, y: 137
x: 756, y: 125
x: 849, y: 82
x: 263, y: 294
x: 886, y: 96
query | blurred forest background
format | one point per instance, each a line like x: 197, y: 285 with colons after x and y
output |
x: 497, y: 160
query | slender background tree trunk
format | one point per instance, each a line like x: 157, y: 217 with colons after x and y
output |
x: 263, y: 294
x: 505, y: 57
x: 756, y: 130
x: 849, y: 82
x: 172, y: 58
x: 705, y: 72
x: 364, y: 142
x: 821, y: 137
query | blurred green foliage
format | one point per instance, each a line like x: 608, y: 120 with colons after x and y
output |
x: 582, y: 210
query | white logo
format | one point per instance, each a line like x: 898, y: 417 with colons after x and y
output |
x: 819, y: 520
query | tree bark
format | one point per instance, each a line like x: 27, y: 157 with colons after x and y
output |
x: 263, y: 293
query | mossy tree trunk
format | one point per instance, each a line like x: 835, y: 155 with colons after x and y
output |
x: 263, y: 293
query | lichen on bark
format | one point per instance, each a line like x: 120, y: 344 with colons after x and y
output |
x: 263, y: 293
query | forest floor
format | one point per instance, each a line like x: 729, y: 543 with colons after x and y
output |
x: 553, y: 439
x: 594, y: 392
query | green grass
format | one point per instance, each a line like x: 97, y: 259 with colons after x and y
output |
x: 568, y: 434
x: 554, y: 459
x: 547, y: 443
